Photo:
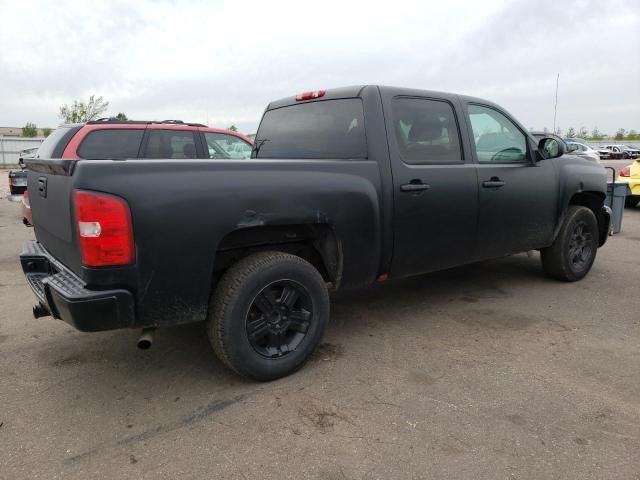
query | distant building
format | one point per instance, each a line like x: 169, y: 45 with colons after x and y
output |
x: 16, y: 132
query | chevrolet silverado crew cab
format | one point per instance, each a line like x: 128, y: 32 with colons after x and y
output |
x: 151, y: 225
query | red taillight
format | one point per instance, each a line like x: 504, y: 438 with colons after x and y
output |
x: 626, y: 171
x: 25, y: 199
x: 310, y: 95
x: 104, y: 230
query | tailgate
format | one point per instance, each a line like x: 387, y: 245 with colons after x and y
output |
x: 50, y: 185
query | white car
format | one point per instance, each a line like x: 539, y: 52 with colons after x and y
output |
x: 623, y: 149
x: 584, y: 150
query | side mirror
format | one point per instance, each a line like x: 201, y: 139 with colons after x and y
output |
x: 549, y: 147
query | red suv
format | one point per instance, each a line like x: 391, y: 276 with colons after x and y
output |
x: 109, y: 139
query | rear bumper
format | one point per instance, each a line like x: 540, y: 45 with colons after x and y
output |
x: 65, y: 297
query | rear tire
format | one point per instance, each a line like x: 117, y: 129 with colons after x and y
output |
x: 574, y: 250
x: 268, y: 314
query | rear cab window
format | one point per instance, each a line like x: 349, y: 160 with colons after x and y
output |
x: 327, y: 129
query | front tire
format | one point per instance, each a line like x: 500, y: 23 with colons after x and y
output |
x: 268, y: 314
x: 573, y: 252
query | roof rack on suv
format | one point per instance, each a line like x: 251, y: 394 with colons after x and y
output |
x: 180, y: 122
x: 147, y: 122
x: 114, y: 120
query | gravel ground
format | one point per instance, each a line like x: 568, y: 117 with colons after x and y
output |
x: 490, y: 371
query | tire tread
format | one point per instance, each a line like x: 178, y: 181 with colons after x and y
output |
x: 228, y: 288
x: 553, y: 258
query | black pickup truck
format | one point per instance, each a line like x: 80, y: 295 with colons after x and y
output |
x: 344, y: 187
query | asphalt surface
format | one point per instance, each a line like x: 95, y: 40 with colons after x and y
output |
x: 490, y: 371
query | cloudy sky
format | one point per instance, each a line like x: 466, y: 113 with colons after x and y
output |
x: 221, y: 62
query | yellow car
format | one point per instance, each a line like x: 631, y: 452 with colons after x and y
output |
x: 631, y: 175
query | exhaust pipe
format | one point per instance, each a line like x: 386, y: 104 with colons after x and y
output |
x: 146, y: 338
x: 40, y: 310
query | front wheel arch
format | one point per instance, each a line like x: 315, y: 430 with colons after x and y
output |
x: 594, y: 201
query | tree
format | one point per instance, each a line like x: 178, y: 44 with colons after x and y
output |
x: 582, y: 133
x: 121, y: 117
x: 632, y: 135
x: 233, y: 128
x: 29, y: 130
x: 46, y: 132
x: 620, y: 134
x: 81, y: 112
x: 571, y: 133
x: 595, y: 134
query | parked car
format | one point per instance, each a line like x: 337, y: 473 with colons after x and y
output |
x: 27, y: 153
x: 344, y: 187
x: 622, y: 150
x: 18, y: 178
x: 633, y: 150
x: 25, y: 206
x: 17, y: 182
x: 583, y: 150
x: 631, y: 175
x: 608, y: 154
x: 572, y: 147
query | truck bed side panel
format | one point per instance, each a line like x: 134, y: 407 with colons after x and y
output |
x: 182, y: 209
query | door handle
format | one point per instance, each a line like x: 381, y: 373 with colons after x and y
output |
x: 415, y: 186
x: 495, y: 182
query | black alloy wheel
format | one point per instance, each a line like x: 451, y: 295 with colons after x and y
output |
x: 279, y: 318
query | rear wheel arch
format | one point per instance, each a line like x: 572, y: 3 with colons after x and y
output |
x: 315, y: 243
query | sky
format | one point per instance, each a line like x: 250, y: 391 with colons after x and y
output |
x: 222, y: 62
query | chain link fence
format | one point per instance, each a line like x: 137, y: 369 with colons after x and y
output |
x: 10, y: 148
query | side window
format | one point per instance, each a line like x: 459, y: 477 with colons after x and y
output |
x: 111, y: 143
x: 220, y: 145
x: 497, y: 139
x: 170, y: 144
x: 426, y: 131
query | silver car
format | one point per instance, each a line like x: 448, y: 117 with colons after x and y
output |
x: 584, y: 150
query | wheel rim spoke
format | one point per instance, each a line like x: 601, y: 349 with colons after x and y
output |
x: 289, y: 296
x: 265, y: 304
x: 279, y: 318
x: 257, y: 328
x: 580, y: 248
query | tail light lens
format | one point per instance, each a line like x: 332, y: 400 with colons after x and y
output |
x: 25, y: 199
x: 626, y: 171
x: 104, y: 229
